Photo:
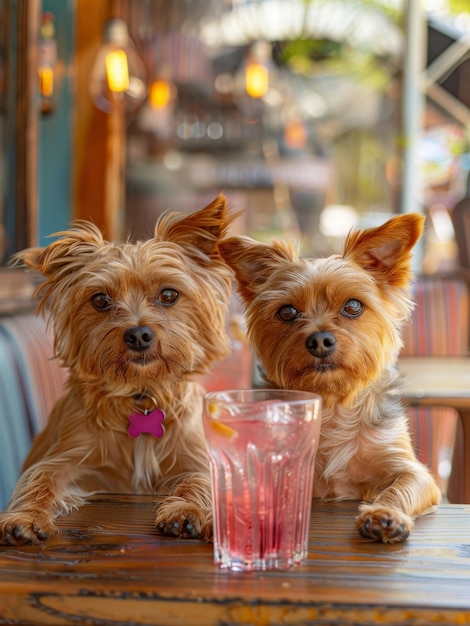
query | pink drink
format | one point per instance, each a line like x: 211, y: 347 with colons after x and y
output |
x: 262, y: 456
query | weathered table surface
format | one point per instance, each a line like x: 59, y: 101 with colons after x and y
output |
x: 109, y: 566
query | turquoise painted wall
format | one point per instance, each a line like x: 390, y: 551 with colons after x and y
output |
x: 55, y: 149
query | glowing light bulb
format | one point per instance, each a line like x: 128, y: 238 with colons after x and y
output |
x: 117, y: 70
x: 256, y: 80
x: 295, y: 134
x: 157, y: 115
x: 118, y: 77
x: 47, y: 62
x: 257, y: 70
x: 46, y: 81
x: 161, y: 94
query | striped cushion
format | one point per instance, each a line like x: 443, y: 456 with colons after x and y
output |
x: 43, y: 376
x: 15, y: 424
x: 439, y: 326
x: 440, y: 322
x: 30, y: 383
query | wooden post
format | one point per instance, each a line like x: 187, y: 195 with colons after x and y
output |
x: 100, y: 137
x: 115, y: 173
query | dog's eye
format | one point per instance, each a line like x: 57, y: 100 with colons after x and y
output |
x: 101, y: 301
x: 288, y: 313
x: 352, y: 308
x: 168, y: 296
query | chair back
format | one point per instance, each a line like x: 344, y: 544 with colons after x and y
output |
x: 461, y: 220
x: 439, y: 326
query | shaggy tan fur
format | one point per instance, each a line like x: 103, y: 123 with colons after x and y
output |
x: 332, y: 326
x: 177, y: 287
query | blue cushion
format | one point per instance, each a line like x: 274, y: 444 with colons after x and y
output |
x: 15, y: 424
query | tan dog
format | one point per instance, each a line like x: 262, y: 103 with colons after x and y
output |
x: 137, y: 325
x: 332, y: 326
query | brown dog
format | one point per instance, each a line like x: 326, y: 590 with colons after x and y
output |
x: 136, y: 325
x: 332, y: 326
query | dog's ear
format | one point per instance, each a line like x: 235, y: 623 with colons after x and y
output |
x: 253, y: 262
x: 67, y: 253
x: 385, y: 251
x: 201, y: 230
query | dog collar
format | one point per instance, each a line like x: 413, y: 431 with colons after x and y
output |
x: 149, y: 422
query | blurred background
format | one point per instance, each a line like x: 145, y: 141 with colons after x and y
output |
x: 311, y: 115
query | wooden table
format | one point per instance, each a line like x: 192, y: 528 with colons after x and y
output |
x: 443, y: 381
x: 432, y: 381
x: 110, y: 567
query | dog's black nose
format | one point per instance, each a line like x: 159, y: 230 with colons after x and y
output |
x: 139, y: 338
x: 321, y: 344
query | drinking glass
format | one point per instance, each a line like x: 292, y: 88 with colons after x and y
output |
x: 262, y: 445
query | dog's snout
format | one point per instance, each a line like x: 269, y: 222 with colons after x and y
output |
x: 139, y: 338
x: 321, y: 343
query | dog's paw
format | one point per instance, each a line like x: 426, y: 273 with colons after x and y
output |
x: 383, y: 524
x: 178, y: 518
x: 18, y: 529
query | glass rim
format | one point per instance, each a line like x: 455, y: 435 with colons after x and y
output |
x: 296, y: 396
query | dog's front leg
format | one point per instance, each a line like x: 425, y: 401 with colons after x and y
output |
x: 388, y: 514
x: 45, y: 491
x: 187, y: 511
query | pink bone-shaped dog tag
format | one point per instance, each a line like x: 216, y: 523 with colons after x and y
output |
x: 149, y: 422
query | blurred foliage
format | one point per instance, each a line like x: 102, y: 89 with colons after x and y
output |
x: 310, y: 57
x: 389, y: 9
x: 459, y: 6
